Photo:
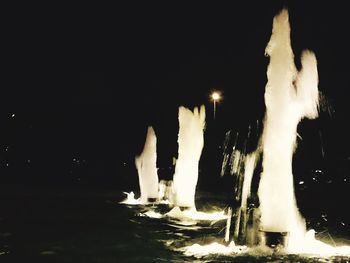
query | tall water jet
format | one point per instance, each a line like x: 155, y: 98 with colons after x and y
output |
x: 146, y: 165
x: 190, y: 145
x: 289, y: 96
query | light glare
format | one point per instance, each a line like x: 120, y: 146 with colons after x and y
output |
x: 215, y: 96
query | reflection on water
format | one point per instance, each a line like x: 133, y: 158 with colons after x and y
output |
x: 70, y: 225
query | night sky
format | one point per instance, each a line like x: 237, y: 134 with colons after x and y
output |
x: 85, y: 84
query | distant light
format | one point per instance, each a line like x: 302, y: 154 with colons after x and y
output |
x: 13, y: 115
x: 301, y: 182
x: 216, y: 96
x: 28, y: 161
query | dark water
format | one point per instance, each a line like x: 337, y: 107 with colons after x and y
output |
x: 85, y: 224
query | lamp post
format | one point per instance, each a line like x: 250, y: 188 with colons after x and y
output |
x: 215, y: 97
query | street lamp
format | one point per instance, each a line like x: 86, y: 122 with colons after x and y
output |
x: 216, y: 96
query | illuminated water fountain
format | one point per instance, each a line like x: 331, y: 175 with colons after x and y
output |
x: 290, y: 96
x: 190, y: 145
x: 276, y: 226
x: 146, y: 164
x: 179, y: 194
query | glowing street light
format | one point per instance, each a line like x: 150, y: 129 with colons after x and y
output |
x: 216, y: 96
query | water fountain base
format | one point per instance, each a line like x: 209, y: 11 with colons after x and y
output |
x: 151, y: 200
x: 274, y: 239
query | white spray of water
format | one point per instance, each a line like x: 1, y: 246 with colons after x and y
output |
x: 130, y: 199
x: 190, y: 143
x: 243, y: 165
x: 235, y: 162
x: 249, y: 166
x: 228, y: 225
x: 193, y: 214
x: 289, y: 96
x: 165, y: 193
x: 146, y: 165
x: 200, y: 251
x: 313, y: 250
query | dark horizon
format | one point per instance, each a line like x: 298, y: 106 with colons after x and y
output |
x: 89, y: 89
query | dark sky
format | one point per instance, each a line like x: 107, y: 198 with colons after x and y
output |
x: 85, y: 83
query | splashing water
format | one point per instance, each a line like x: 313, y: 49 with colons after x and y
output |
x: 191, y: 142
x: 193, y: 214
x: 130, y: 199
x: 289, y: 97
x: 146, y: 165
x: 199, y: 251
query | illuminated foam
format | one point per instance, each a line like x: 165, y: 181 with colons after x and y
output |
x: 308, y: 248
x: 193, y: 214
x: 152, y: 214
x: 199, y: 251
x: 146, y: 165
x: 314, y: 249
x: 289, y: 96
x: 130, y: 199
x: 191, y: 142
x: 308, y: 244
x: 188, y: 216
x: 286, y: 104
